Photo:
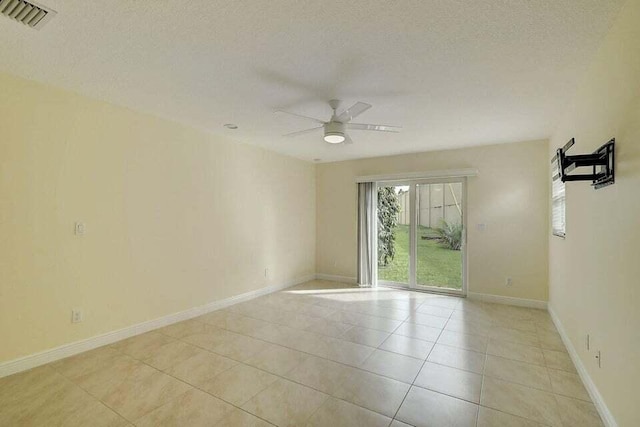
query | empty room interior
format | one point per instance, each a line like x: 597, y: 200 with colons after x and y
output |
x: 320, y: 213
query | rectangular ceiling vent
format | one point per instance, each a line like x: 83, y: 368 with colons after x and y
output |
x: 29, y: 13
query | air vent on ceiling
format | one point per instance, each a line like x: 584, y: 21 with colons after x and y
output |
x: 29, y: 13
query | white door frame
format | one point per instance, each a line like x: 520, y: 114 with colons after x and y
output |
x: 413, y: 243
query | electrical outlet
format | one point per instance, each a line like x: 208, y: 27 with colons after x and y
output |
x: 508, y: 281
x: 77, y: 315
x: 79, y: 228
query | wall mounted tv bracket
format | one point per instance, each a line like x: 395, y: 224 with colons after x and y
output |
x: 601, y: 161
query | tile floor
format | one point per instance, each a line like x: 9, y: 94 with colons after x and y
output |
x: 318, y: 354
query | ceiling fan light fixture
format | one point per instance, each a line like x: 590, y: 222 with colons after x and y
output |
x: 334, y: 137
x: 334, y: 132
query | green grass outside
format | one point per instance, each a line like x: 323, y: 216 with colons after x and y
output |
x: 437, y: 266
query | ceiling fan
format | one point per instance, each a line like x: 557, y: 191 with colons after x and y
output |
x: 335, y: 130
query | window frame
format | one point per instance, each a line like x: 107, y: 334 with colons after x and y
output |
x: 558, y: 194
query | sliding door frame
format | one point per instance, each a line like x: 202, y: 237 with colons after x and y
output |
x: 413, y: 241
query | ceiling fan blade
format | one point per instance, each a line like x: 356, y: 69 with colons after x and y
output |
x: 352, y: 112
x: 347, y: 139
x: 300, y: 115
x: 379, y: 128
x: 302, y: 132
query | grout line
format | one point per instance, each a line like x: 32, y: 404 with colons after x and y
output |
x: 421, y: 367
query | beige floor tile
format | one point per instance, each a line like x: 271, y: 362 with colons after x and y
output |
x: 428, y: 408
x: 338, y: 413
x: 54, y: 404
x: 285, y: 403
x: 320, y: 374
x: 219, y: 318
x: 457, y: 358
x: 26, y: 385
x: 515, y: 399
x: 568, y: 384
x: 83, y: 363
x: 517, y: 372
x: 328, y: 327
x: 111, y: 374
x: 479, y: 316
x: 465, y: 341
x: 201, y: 368
x: 365, y: 336
x: 451, y: 381
x: 522, y: 325
x: 297, y: 320
x: 408, y: 346
x: 488, y: 417
x: 515, y: 336
x: 421, y: 332
x: 471, y: 327
x: 367, y: 321
x: 171, y: 354
x: 514, y: 351
x: 558, y: 360
x: 238, y: 347
x: 318, y: 311
x: 308, y: 342
x: 209, y: 339
x: 142, y: 346
x: 544, y: 324
x: 393, y: 365
x: 351, y: 344
x: 388, y: 313
x: 347, y: 352
x: 550, y: 340
x: 238, y: 384
x: 245, y: 325
x: 94, y: 414
x: 143, y: 392
x: 576, y: 412
x: 277, y: 359
x: 435, y: 310
x: 427, y: 320
x: 186, y: 328
x: 277, y: 334
x: 239, y: 418
x: 372, y: 391
x: 194, y: 408
x: 442, y: 301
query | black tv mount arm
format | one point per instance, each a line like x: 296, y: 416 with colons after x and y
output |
x: 601, y: 160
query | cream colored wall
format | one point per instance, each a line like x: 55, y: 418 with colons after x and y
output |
x: 595, y: 271
x: 175, y: 218
x: 510, y: 195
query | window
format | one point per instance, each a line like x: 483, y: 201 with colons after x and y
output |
x: 558, y: 203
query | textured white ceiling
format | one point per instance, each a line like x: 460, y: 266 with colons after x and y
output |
x: 453, y: 73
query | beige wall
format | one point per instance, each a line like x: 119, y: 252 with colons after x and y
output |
x: 175, y: 218
x: 510, y: 195
x: 595, y: 271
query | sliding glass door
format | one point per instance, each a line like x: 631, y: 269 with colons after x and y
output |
x: 421, y: 235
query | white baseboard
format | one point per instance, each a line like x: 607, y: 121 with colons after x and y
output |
x: 66, y: 350
x: 596, y: 397
x: 499, y: 299
x: 333, y: 278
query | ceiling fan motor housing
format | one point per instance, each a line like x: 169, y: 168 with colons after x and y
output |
x: 334, y: 132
